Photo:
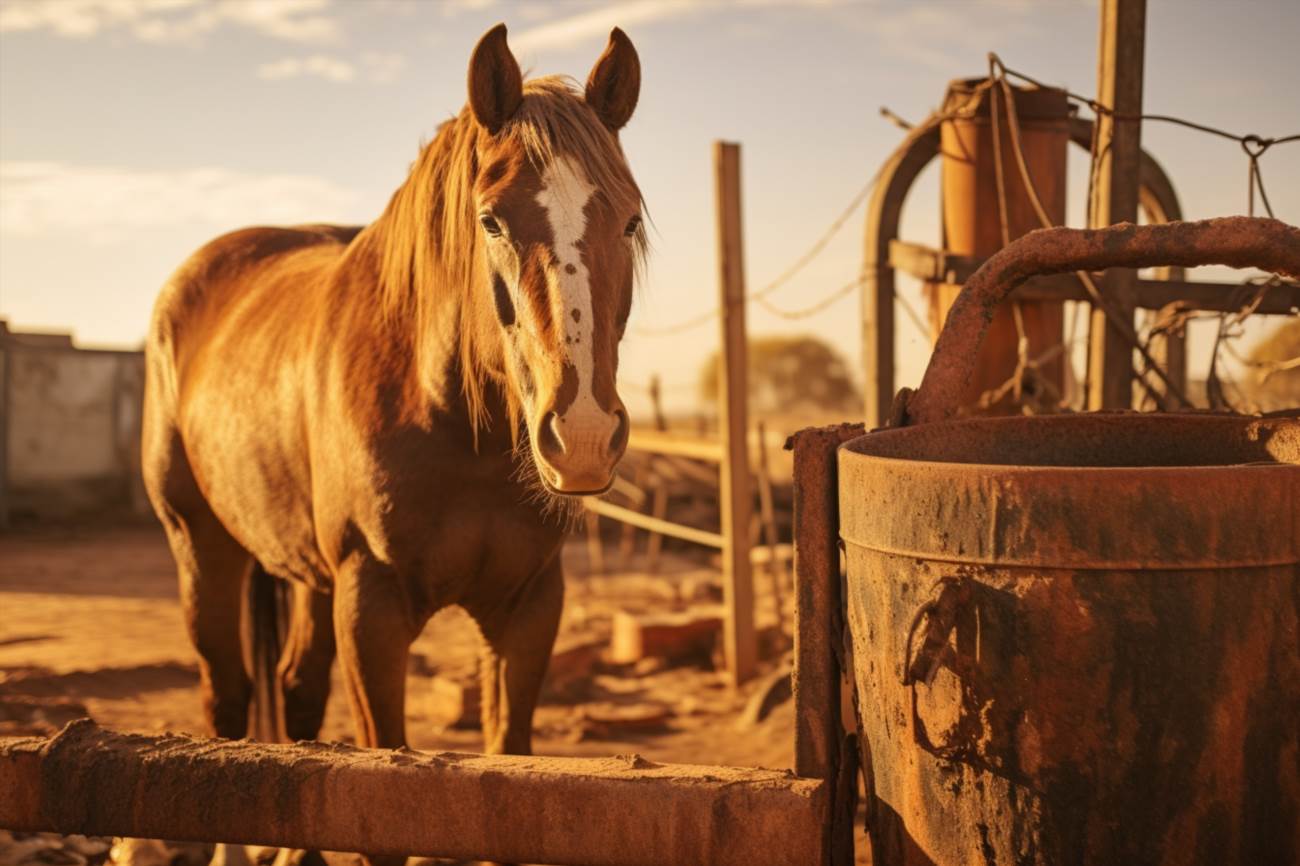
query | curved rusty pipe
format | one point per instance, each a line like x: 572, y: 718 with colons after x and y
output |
x: 1238, y: 242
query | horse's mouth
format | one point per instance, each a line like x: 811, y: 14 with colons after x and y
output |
x: 575, y: 494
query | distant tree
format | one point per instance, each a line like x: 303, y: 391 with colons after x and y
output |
x: 789, y: 374
x: 1273, y: 377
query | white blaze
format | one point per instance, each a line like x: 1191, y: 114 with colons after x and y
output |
x: 564, y: 195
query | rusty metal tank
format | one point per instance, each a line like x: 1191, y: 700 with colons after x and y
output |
x: 1075, y: 637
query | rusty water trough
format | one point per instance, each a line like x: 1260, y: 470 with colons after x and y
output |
x: 1075, y: 638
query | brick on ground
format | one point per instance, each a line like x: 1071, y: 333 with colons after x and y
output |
x: 672, y: 636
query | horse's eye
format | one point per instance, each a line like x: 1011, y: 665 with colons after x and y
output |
x: 632, y: 225
x: 490, y: 224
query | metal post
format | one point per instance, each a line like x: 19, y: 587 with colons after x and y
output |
x: 1119, y: 143
x: 741, y: 644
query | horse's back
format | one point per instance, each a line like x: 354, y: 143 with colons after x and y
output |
x: 232, y: 268
x: 229, y: 339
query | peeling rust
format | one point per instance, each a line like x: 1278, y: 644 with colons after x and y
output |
x: 1111, y: 609
x: 1234, y: 241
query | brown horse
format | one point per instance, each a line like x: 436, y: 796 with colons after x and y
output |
x: 386, y: 416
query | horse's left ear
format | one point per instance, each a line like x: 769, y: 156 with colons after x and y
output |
x: 615, y: 81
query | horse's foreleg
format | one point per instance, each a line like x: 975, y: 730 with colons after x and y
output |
x: 304, y: 668
x: 516, y: 650
x: 373, y: 628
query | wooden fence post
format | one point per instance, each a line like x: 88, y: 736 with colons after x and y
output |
x: 740, y: 641
x: 1119, y: 141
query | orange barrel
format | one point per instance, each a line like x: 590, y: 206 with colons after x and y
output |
x: 972, y: 226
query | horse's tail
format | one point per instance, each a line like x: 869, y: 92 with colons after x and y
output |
x: 263, y: 629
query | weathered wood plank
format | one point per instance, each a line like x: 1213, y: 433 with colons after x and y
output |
x: 654, y: 524
x: 399, y: 802
x: 1119, y: 141
x: 740, y: 641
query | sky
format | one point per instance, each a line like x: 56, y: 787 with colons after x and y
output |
x: 132, y: 131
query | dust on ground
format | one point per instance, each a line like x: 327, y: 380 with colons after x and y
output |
x: 90, y: 625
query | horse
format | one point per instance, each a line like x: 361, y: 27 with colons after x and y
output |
x: 395, y: 418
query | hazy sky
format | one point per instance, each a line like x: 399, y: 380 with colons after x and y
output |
x: 131, y: 131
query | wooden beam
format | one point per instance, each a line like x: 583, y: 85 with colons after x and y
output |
x: 767, y: 515
x: 740, y: 642
x: 624, y: 811
x: 675, y: 445
x: 1279, y: 300
x: 927, y: 263
x: 645, y: 521
x: 1119, y: 143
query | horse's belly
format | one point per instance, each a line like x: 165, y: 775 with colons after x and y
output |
x: 258, y: 488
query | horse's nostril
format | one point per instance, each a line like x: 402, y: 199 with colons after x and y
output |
x: 548, y: 436
x: 618, y: 442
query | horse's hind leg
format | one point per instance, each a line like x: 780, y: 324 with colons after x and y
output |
x: 304, y: 670
x: 210, y: 564
x: 517, y: 643
x: 212, y: 568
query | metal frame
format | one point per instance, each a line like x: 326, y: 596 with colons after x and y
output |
x: 884, y: 253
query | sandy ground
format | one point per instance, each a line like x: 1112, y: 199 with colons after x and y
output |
x: 90, y: 624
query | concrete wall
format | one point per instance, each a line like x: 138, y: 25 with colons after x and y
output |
x: 71, y: 427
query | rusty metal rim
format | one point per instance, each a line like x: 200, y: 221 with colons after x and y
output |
x: 1051, y: 516
x: 994, y: 469
x: 1110, y: 565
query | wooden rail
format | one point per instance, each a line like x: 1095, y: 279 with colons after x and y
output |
x: 654, y: 524
x: 926, y: 263
x: 623, y: 811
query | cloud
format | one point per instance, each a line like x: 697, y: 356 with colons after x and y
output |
x: 377, y: 67
x: 383, y: 67
x: 173, y: 20
x: 598, y: 21
x: 104, y: 203
x: 317, y: 65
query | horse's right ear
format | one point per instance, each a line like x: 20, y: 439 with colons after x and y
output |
x: 495, y: 85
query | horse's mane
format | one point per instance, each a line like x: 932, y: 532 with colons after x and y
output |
x: 426, y: 236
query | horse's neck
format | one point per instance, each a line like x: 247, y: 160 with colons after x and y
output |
x: 422, y: 351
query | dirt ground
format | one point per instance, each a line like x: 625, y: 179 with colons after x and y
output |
x: 90, y: 625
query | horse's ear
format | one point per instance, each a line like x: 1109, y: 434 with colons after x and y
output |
x: 495, y: 85
x: 615, y: 81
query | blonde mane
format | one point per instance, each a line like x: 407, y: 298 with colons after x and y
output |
x: 426, y: 237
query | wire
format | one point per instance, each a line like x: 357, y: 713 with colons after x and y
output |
x: 813, y: 309
x: 1254, y: 145
x: 758, y: 295
x: 1112, y: 315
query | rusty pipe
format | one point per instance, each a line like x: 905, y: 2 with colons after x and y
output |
x: 1238, y: 242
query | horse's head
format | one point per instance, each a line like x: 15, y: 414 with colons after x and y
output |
x: 560, y: 222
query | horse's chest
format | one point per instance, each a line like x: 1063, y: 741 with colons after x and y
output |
x: 464, y: 542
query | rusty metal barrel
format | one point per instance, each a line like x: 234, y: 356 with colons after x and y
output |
x: 1075, y: 637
